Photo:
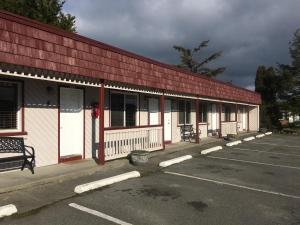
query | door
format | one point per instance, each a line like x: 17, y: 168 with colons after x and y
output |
x: 214, y: 117
x: 168, y: 121
x: 244, y: 118
x: 71, y: 121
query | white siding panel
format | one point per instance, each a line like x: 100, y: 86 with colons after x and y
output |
x: 41, y: 120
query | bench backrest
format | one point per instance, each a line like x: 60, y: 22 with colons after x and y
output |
x: 186, y: 128
x: 11, y: 145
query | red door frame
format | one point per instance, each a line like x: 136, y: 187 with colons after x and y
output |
x: 101, y: 151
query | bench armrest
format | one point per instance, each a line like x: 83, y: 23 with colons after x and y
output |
x: 32, y: 153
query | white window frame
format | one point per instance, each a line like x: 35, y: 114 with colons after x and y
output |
x: 19, y: 107
x: 124, y: 111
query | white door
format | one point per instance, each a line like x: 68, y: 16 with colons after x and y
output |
x: 244, y: 118
x: 71, y: 121
x: 168, y: 121
x: 214, y: 117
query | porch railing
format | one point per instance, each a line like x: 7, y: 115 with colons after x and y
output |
x: 119, y: 143
x: 229, y: 128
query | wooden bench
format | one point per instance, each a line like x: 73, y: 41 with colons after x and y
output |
x: 16, y: 145
x: 187, y: 132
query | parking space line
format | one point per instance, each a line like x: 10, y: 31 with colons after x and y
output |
x: 254, y: 162
x: 280, y: 145
x: 276, y: 153
x: 99, y: 214
x: 234, y: 185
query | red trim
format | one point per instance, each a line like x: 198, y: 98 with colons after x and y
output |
x: 139, y: 96
x: 220, y: 121
x: 101, y: 152
x: 58, y: 128
x: 248, y: 119
x: 13, y: 133
x: 162, y: 117
x: 65, y: 159
x: 168, y: 142
x: 23, y: 107
x: 83, y: 122
x: 197, y: 121
x: 133, y: 127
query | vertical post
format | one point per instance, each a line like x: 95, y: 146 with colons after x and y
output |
x: 220, y: 120
x: 258, y: 118
x: 162, y: 117
x: 248, y: 119
x: 236, y: 122
x: 197, y: 121
x: 101, y: 153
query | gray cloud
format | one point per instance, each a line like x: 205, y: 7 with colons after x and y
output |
x: 249, y: 33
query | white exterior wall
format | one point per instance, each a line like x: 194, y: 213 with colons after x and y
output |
x: 41, y: 120
x: 253, y: 118
x: 203, y: 130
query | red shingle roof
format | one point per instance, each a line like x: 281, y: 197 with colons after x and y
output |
x: 30, y: 43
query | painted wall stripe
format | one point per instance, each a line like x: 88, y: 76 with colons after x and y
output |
x: 99, y: 214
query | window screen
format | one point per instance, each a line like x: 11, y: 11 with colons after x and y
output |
x: 117, y: 109
x: 130, y: 108
x: 203, y: 113
x: 8, y: 105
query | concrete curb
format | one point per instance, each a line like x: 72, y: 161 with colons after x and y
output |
x: 268, y: 133
x: 174, y: 161
x: 104, y: 182
x: 8, y: 210
x: 249, y: 138
x: 234, y: 143
x: 213, y: 149
x: 260, y: 135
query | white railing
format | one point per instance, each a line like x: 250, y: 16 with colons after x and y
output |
x: 228, y: 128
x: 119, y: 143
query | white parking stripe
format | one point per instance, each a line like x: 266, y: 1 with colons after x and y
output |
x: 280, y: 145
x: 254, y: 162
x: 276, y: 153
x: 99, y: 214
x: 234, y: 185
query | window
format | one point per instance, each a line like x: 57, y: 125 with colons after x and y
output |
x: 203, y: 113
x: 184, y: 108
x: 123, y: 110
x: 153, y: 104
x: 227, y: 112
x: 10, y: 116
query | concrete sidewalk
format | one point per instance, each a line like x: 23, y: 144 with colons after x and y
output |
x: 55, y: 183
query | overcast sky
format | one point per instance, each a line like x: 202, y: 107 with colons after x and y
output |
x: 249, y: 33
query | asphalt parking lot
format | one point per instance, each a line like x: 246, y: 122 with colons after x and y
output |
x: 257, y: 182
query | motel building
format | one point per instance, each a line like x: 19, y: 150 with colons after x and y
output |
x: 71, y: 97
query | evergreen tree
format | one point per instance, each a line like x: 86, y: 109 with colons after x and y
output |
x: 267, y: 83
x: 190, y: 62
x: 46, y: 11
